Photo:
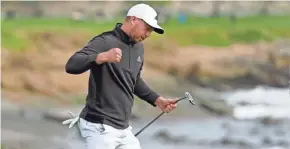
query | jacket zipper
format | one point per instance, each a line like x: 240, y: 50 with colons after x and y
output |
x: 130, y: 55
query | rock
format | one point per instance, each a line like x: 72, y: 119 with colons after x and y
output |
x: 227, y: 141
x: 255, y: 72
x: 270, y: 121
x: 165, y: 136
x: 281, y: 54
x: 280, y: 132
x: 241, y: 70
x: 267, y: 141
x: 208, y: 101
x: 254, y: 131
x: 61, y: 114
x: 264, y: 72
x: 214, y: 108
x: 283, y: 143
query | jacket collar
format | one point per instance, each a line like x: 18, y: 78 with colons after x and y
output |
x: 122, y: 35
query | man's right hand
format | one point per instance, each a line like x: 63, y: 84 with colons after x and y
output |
x: 166, y: 105
x: 114, y: 55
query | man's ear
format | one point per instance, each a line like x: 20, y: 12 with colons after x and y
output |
x: 133, y: 20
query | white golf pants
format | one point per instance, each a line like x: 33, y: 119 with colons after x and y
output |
x: 101, y: 136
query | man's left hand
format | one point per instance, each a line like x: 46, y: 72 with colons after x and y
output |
x: 166, y: 105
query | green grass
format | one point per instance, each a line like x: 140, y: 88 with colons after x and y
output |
x: 201, y: 31
x: 222, y: 32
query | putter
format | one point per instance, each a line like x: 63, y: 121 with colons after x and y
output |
x: 187, y: 96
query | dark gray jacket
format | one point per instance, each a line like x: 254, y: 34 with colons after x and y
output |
x: 112, y: 85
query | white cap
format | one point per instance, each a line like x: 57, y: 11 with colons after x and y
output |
x: 147, y: 14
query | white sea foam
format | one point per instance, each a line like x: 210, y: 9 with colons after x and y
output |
x: 259, y: 102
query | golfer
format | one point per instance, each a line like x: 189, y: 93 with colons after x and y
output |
x: 115, y: 59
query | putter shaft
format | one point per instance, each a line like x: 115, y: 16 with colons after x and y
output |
x: 156, y: 118
x: 149, y: 124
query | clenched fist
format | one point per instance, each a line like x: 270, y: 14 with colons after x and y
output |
x: 113, y: 55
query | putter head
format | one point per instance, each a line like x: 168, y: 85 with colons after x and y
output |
x: 189, y: 97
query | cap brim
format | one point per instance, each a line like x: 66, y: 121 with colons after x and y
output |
x: 155, y: 26
x: 158, y: 29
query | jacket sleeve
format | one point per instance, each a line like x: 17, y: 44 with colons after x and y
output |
x: 82, y: 60
x: 143, y: 91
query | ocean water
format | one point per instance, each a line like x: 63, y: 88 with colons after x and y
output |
x: 242, y: 131
x: 219, y: 133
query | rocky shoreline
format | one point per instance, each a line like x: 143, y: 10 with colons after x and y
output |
x: 36, y: 128
x: 221, y: 69
x: 231, y: 68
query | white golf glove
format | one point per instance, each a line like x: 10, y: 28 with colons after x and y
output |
x: 71, y: 121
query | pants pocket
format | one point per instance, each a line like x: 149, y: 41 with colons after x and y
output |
x: 87, y: 128
x: 98, y: 127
